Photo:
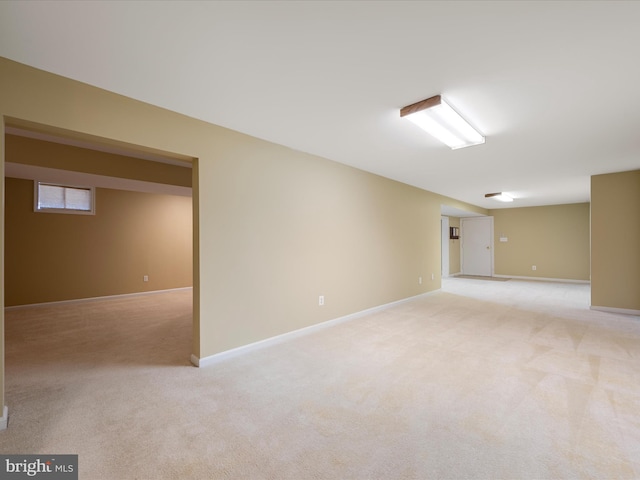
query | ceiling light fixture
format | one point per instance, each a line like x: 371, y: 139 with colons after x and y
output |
x: 437, y: 118
x: 503, y: 197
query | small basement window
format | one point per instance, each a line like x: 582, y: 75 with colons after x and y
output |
x: 54, y: 198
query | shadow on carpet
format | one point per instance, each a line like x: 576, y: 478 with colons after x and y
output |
x: 478, y: 277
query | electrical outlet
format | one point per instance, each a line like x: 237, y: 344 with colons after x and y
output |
x: 419, y: 280
x: 145, y: 278
x: 533, y: 267
x: 321, y: 300
x: 433, y: 277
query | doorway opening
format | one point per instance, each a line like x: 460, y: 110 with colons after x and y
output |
x: 135, y: 185
x: 444, y: 231
x: 451, y: 240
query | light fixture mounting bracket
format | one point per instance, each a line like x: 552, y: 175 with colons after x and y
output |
x: 421, y: 105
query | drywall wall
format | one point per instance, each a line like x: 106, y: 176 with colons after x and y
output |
x: 454, y: 248
x: 40, y: 153
x: 297, y: 227
x: 615, y: 240
x: 53, y: 257
x: 273, y: 228
x: 553, y: 238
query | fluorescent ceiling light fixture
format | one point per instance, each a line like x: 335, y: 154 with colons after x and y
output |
x: 438, y: 119
x: 503, y: 197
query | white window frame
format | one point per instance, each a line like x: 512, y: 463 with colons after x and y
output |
x: 38, y: 209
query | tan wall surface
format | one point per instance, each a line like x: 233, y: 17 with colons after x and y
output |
x: 553, y: 238
x: 274, y: 228
x: 297, y: 227
x: 454, y: 248
x: 615, y: 240
x: 459, y: 205
x: 40, y: 153
x: 53, y: 257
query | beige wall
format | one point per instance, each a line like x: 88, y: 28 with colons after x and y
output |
x: 298, y: 227
x: 454, y: 248
x: 273, y: 228
x: 615, y: 238
x: 553, y: 238
x: 39, y: 153
x: 53, y: 257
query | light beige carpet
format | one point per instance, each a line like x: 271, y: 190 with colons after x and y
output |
x: 482, y: 380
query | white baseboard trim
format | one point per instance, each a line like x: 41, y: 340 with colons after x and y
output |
x: 544, y: 279
x: 4, y: 420
x: 625, y: 311
x: 93, y: 299
x: 235, y: 352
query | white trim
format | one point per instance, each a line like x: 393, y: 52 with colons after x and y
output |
x: 267, y: 342
x: 544, y: 279
x: 4, y: 420
x: 444, y: 247
x: 31, y: 172
x: 93, y: 299
x: 625, y: 311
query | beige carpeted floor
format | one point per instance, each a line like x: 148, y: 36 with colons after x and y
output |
x: 479, y: 277
x: 481, y: 380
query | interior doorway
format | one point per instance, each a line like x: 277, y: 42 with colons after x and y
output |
x: 477, y: 246
x: 444, y: 242
x: 46, y: 134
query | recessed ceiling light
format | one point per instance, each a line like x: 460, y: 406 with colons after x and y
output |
x: 437, y: 118
x: 503, y: 197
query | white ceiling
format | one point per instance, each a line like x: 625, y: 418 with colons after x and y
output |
x: 554, y: 86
